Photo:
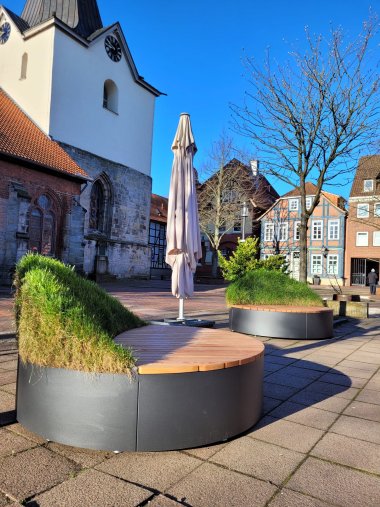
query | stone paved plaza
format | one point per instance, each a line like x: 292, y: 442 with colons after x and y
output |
x: 317, y: 445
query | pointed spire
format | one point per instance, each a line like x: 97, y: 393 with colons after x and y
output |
x: 80, y: 15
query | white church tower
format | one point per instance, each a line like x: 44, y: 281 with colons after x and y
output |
x: 77, y: 80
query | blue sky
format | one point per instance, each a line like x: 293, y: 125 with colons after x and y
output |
x: 193, y: 52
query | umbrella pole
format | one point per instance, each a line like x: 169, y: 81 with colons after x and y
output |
x: 181, y: 315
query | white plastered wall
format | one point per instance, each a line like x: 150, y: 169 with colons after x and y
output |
x: 32, y: 94
x: 77, y: 114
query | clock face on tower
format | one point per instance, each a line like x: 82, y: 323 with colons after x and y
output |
x: 113, y: 48
x: 5, y: 31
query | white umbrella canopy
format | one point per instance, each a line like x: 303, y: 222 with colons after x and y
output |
x: 183, y: 238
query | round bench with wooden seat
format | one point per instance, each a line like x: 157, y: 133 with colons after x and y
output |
x: 280, y: 321
x: 191, y: 387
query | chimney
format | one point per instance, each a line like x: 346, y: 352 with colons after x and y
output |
x: 255, y: 167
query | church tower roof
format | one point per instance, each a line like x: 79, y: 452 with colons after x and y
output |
x: 81, y: 15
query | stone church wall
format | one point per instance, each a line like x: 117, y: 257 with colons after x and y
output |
x: 123, y: 245
x: 19, y: 187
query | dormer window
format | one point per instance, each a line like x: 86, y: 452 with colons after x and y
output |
x: 308, y: 202
x: 110, y: 96
x: 293, y: 204
x: 368, y: 186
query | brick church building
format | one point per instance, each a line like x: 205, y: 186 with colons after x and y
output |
x: 65, y: 76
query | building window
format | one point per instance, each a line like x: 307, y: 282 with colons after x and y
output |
x: 269, y: 232
x: 293, y: 204
x: 362, y: 210
x: 376, y: 238
x: 316, y: 264
x: 283, y: 232
x: 317, y: 229
x: 42, y: 226
x: 157, y: 242
x: 110, y: 96
x: 333, y: 229
x: 308, y: 202
x: 332, y: 264
x: 97, y: 207
x: 237, y: 228
x: 368, y: 186
x: 362, y: 239
x: 297, y: 226
x: 24, y: 66
x: 376, y: 210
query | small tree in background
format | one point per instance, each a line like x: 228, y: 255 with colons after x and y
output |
x: 244, y: 259
x: 313, y: 116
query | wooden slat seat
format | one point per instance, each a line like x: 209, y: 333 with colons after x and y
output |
x: 181, y: 349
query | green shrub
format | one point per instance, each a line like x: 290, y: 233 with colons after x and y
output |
x: 263, y: 287
x: 65, y: 321
x: 244, y: 259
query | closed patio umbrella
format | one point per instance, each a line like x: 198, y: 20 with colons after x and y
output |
x: 183, y: 236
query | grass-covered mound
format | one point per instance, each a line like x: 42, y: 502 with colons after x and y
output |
x: 65, y: 321
x: 263, y: 287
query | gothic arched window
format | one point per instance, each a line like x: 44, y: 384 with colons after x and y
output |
x: 97, y: 207
x: 42, y: 226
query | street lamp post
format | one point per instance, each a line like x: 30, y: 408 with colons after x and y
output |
x: 244, y: 216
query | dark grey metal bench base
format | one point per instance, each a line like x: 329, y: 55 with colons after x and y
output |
x: 148, y: 413
x: 277, y: 324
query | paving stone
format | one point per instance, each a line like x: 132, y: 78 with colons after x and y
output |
x: 310, y: 365
x: 10, y: 443
x: 163, y: 501
x: 154, y: 470
x: 278, y: 360
x: 309, y: 416
x: 341, y: 485
x: 20, y: 430
x: 343, y: 380
x: 84, y: 457
x: 349, y: 451
x: 369, y: 396
x: 259, y: 459
x: 205, y: 452
x: 7, y: 402
x: 288, y: 498
x: 355, y: 372
x: 284, y: 379
x: 272, y: 367
x: 333, y: 389
x: 224, y: 487
x: 33, y: 471
x: 286, y: 434
x: 9, y: 356
x: 357, y: 428
x: 365, y: 357
x: 278, y: 392
x: 7, y: 377
x: 363, y: 410
x: 319, y: 400
x: 93, y: 489
x: 374, y: 384
x: 306, y: 373
x: 3, y: 500
x: 270, y: 404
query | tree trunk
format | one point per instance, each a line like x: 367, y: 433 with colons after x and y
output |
x: 214, y: 265
x: 303, y: 249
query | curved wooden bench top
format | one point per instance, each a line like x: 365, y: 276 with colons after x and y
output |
x: 182, y: 349
x: 284, y: 308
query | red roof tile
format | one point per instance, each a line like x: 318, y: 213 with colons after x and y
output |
x: 368, y: 169
x: 21, y: 138
x: 159, y: 209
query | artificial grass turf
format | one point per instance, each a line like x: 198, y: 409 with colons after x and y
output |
x: 65, y: 321
x: 264, y: 287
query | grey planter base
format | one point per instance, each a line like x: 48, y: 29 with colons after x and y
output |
x: 147, y: 413
x: 301, y: 325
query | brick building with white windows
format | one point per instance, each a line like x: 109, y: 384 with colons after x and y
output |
x: 325, y: 239
x: 77, y: 81
x: 363, y: 224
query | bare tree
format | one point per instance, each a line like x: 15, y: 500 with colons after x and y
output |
x: 313, y: 116
x: 227, y: 184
